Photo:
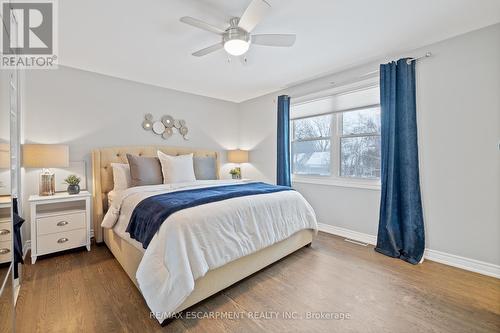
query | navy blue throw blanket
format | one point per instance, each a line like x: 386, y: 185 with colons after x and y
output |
x: 151, y: 212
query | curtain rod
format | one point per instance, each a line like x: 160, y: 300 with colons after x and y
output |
x: 426, y: 55
x: 361, y: 77
x: 408, y: 61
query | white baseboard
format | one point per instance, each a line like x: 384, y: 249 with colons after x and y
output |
x: 26, y: 248
x: 347, y: 233
x: 468, y: 264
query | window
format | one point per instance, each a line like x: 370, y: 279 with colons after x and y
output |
x: 311, y: 145
x: 360, y: 143
x: 341, y: 145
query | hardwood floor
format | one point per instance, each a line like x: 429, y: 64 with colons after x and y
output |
x: 85, y: 291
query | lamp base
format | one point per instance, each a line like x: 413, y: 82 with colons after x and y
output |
x: 47, y: 184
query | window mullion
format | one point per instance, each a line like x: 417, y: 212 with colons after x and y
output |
x: 359, y: 135
x: 319, y: 138
x: 335, y: 145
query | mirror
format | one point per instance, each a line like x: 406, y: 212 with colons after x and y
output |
x: 10, y: 180
x: 7, y: 303
x: 6, y: 227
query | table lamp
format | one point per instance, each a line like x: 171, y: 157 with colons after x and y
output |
x: 237, y: 156
x: 45, y: 157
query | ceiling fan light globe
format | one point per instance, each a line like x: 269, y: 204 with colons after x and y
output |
x: 236, y: 47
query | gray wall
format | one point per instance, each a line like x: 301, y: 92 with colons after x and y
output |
x: 87, y: 110
x: 459, y: 128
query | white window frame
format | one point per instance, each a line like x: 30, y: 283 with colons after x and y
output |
x: 335, y: 179
x: 312, y: 139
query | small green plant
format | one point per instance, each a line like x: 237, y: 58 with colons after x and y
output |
x: 72, y: 180
x: 235, y: 171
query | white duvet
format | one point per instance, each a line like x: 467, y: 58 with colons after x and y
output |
x: 195, y: 240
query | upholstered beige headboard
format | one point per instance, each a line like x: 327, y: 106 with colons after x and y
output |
x: 102, y: 173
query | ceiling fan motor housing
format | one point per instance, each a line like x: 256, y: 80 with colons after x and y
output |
x: 234, y: 32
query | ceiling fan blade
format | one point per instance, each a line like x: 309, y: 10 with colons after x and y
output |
x: 208, y: 50
x: 253, y: 14
x: 201, y: 25
x: 274, y: 40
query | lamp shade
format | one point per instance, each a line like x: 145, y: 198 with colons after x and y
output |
x: 45, y: 156
x: 237, y: 156
x: 4, y: 156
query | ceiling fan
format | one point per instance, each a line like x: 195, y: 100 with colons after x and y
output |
x: 236, y: 38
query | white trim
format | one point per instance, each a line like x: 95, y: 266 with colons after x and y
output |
x: 26, y: 248
x: 467, y: 264
x: 17, y: 289
x: 346, y: 233
x: 329, y: 181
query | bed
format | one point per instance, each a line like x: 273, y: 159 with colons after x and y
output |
x: 130, y: 257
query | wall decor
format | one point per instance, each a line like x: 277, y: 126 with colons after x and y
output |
x: 165, y: 126
x: 147, y: 124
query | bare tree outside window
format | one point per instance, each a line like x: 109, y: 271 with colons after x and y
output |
x: 311, y: 145
x: 360, y: 144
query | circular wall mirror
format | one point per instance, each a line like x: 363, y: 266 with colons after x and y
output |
x: 168, y: 133
x: 168, y: 121
x: 158, y: 127
x: 147, y: 125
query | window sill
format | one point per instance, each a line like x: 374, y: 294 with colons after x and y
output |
x: 327, y: 181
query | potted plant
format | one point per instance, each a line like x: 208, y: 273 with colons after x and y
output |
x: 73, y: 182
x: 235, y: 173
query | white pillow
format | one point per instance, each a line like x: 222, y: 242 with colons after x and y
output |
x: 121, y: 176
x: 176, y: 169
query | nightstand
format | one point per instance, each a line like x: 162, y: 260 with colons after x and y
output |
x: 59, y: 222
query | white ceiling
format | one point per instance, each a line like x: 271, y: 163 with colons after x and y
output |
x: 144, y: 41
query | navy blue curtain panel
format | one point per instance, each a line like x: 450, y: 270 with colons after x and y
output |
x: 401, y: 224
x: 283, y: 163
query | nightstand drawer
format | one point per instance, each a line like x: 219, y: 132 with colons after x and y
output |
x: 58, y: 223
x: 5, y: 251
x: 61, y: 241
x: 5, y: 231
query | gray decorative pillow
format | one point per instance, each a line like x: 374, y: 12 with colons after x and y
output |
x: 144, y: 170
x: 205, y: 168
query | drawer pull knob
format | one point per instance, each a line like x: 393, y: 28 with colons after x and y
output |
x: 62, y: 240
x: 62, y: 223
x: 4, y: 251
x: 4, y: 232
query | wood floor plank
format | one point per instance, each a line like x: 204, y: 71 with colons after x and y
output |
x: 80, y: 291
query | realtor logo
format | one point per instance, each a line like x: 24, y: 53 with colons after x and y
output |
x: 29, y: 34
